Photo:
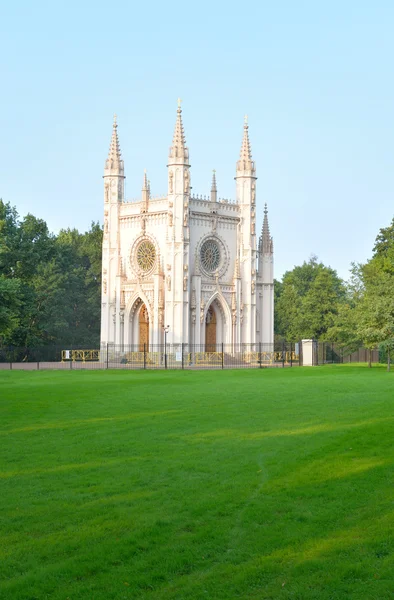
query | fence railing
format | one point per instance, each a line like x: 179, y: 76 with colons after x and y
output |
x: 180, y: 356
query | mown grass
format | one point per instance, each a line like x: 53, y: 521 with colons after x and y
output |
x: 271, y: 484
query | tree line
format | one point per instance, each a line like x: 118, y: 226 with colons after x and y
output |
x: 311, y: 301
x: 50, y: 285
x: 50, y: 288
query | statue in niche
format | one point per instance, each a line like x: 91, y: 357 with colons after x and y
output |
x: 253, y: 286
x: 121, y: 316
x: 202, y: 311
x: 169, y: 282
x: 171, y: 181
x: 253, y: 192
x: 185, y: 217
x: 253, y: 228
x: 105, y: 286
x: 185, y: 283
x: 187, y: 178
x: 170, y: 218
x: 107, y: 192
x: 143, y: 223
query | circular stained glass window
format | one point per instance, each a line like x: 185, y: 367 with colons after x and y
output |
x: 146, y: 256
x: 210, y: 256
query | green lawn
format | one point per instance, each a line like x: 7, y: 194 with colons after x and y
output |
x: 197, y: 485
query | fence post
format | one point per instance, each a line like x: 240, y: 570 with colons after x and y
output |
x: 283, y: 354
x: 260, y: 361
x: 291, y: 354
x: 222, y: 355
x: 107, y: 355
x: 144, y: 356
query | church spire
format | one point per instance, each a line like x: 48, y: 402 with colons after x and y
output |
x: 245, y: 162
x: 266, y: 242
x: 114, y: 161
x: 214, y: 189
x: 179, y: 152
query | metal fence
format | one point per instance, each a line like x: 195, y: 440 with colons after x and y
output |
x: 180, y: 356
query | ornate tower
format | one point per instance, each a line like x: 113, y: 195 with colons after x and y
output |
x: 178, y: 236
x: 246, y: 199
x: 265, y: 323
x: 111, y: 310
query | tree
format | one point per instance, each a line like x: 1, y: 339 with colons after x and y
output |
x: 9, y: 307
x: 309, y: 300
x: 376, y: 309
x: 50, y: 285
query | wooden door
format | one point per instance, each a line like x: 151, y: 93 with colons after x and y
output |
x: 144, y: 328
x: 210, y: 330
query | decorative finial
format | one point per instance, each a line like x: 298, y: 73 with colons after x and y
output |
x: 115, y: 117
x: 179, y: 103
x: 246, y: 120
x: 265, y: 209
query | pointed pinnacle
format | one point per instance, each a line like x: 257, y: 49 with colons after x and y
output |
x: 145, y: 183
x: 178, y: 148
x: 245, y: 162
x: 114, y: 160
x: 114, y: 148
x: 214, y: 186
x: 265, y: 233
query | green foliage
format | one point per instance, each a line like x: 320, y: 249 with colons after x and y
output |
x: 164, y: 486
x: 308, y: 301
x: 56, y: 282
x: 9, y: 306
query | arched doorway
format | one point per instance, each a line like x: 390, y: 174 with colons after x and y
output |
x: 210, y: 330
x: 143, y: 327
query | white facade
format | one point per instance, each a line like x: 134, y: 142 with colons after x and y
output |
x: 189, y: 264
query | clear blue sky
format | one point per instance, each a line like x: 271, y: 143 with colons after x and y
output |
x: 316, y: 79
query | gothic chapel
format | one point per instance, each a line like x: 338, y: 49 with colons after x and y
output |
x: 188, y: 264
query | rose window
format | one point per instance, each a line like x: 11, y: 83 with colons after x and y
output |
x: 146, y: 256
x: 210, y: 256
